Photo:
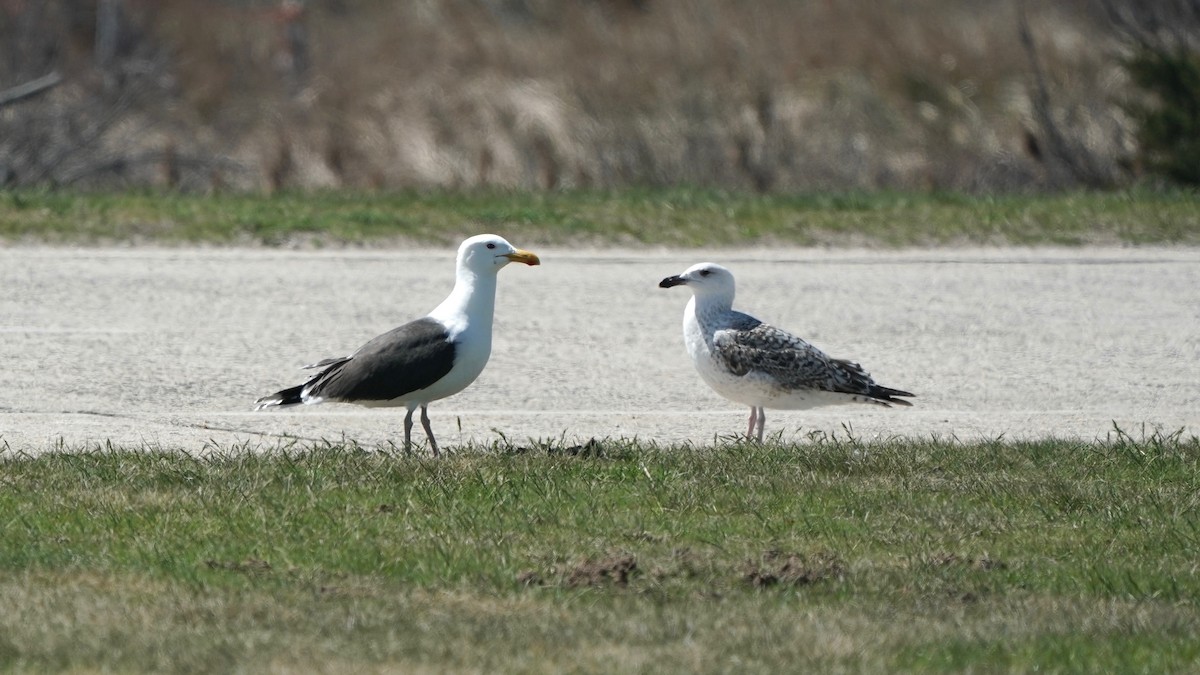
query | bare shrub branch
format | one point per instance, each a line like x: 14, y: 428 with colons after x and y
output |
x: 30, y: 89
x: 1063, y: 149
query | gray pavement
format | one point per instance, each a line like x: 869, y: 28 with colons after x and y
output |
x: 168, y: 348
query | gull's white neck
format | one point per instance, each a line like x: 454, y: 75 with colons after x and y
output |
x: 471, y: 305
x: 707, y: 308
x: 704, y: 315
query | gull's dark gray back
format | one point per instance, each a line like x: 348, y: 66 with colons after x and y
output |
x: 398, y: 362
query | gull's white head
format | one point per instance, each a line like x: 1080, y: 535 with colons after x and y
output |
x: 487, y: 253
x: 706, y: 281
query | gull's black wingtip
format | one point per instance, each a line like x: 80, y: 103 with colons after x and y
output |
x: 285, y: 397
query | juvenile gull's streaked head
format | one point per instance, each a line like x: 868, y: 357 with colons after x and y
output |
x: 707, y: 281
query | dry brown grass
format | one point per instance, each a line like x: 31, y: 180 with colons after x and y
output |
x: 772, y: 95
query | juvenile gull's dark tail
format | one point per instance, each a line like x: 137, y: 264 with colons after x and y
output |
x: 864, y: 388
x: 886, y: 395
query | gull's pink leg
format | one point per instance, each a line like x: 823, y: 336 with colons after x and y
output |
x: 428, y: 431
x: 408, y: 431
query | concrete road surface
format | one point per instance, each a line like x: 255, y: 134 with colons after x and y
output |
x: 168, y: 348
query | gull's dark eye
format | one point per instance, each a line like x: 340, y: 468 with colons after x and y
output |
x: 491, y: 246
x: 705, y: 273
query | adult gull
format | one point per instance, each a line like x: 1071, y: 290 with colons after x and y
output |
x: 424, y: 360
x: 759, y: 365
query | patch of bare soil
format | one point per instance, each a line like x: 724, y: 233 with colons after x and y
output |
x: 614, y: 570
x: 793, y: 569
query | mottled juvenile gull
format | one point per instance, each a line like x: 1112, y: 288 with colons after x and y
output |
x: 425, y: 360
x: 750, y: 362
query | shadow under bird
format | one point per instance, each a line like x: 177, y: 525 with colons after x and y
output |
x: 759, y: 365
x: 424, y: 360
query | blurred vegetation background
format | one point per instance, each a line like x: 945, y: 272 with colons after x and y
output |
x: 770, y: 96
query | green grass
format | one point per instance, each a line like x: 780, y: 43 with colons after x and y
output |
x: 831, y: 556
x: 676, y: 217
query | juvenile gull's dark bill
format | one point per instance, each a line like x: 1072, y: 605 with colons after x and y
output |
x: 755, y: 364
x: 424, y: 360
